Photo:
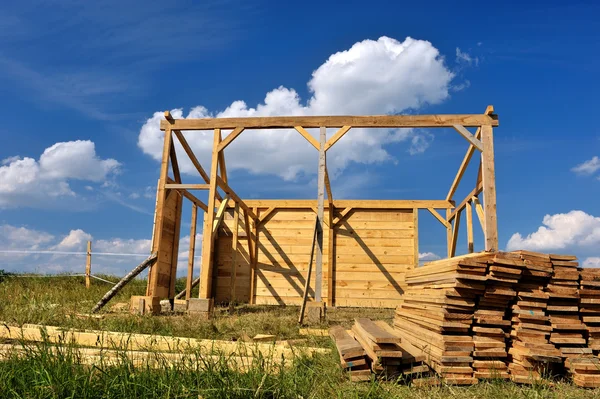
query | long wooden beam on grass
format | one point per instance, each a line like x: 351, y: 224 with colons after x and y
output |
x: 289, y: 122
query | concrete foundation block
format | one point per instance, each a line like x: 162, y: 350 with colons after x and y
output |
x: 315, y: 312
x: 199, y: 305
x: 141, y: 304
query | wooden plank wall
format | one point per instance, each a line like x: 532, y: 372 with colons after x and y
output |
x: 223, y: 258
x: 169, y: 247
x: 373, y: 250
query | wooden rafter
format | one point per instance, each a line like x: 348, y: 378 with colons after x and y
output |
x: 190, y: 271
x: 266, y: 214
x: 230, y: 137
x: 219, y: 215
x: 342, y: 215
x: 462, y: 168
x: 309, y: 137
x: 463, y: 204
x: 338, y: 135
x: 469, y: 136
x: 289, y: 122
x: 234, y: 250
x: 455, y: 230
x: 328, y: 189
x: 174, y: 163
x: 479, y: 211
x: 190, y: 153
x: 222, y: 165
x: 439, y: 217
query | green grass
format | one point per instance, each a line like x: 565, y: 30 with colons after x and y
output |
x: 58, y: 301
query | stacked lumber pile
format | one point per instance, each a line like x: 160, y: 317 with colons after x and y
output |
x: 583, y: 365
x: 436, y: 315
x: 515, y: 315
x: 380, y: 345
x: 374, y: 347
x: 352, y: 355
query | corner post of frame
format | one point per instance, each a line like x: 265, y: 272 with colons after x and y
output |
x: 489, y: 188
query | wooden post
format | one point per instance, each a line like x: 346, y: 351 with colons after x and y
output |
x: 330, y: 259
x: 416, y: 238
x: 207, y: 238
x: 455, y: 234
x: 88, y: 264
x: 320, y: 216
x: 489, y: 188
x: 469, y: 211
x: 160, y: 199
x: 449, y: 233
x: 190, y: 271
x: 255, y: 258
x: 234, y: 249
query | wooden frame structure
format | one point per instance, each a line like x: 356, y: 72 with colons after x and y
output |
x: 250, y: 215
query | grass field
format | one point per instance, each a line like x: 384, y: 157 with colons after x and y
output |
x: 61, y: 301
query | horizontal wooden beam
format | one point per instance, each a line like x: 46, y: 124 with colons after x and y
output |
x: 289, y: 122
x: 229, y: 191
x: 189, y: 196
x: 363, y: 204
x: 180, y: 186
x: 463, y: 204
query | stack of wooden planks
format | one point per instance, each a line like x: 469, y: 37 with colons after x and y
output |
x: 515, y: 315
x: 436, y: 315
x: 352, y: 355
x: 374, y: 347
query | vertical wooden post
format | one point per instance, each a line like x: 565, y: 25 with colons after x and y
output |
x: 449, y: 233
x: 469, y: 211
x: 234, y: 250
x: 330, y: 259
x: 320, y: 215
x: 190, y: 271
x: 88, y: 264
x: 455, y: 234
x: 207, y: 238
x: 489, y: 188
x: 255, y: 258
x: 416, y: 238
x: 159, y: 212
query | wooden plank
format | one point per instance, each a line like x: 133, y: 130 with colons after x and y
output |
x: 208, y: 237
x: 178, y: 199
x: 448, y: 234
x: 179, y: 186
x: 468, y: 136
x: 266, y: 214
x: 309, y: 137
x: 254, y: 260
x: 194, y: 200
x: 463, y: 203
x: 222, y: 164
x: 174, y: 163
x: 346, y: 346
x: 469, y: 212
x: 88, y: 264
x: 438, y: 217
x: 479, y: 211
x: 320, y: 216
x: 328, y: 189
x: 489, y: 189
x: 463, y: 167
x: 159, y: 212
x: 230, y: 137
x: 190, y: 271
x: 330, y: 260
x: 307, y: 281
x: 289, y: 122
x: 219, y: 215
x: 362, y: 204
x: 234, y: 250
x: 373, y: 332
x: 416, y: 238
x: 338, y: 135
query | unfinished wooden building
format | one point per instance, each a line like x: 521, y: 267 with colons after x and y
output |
x: 261, y: 251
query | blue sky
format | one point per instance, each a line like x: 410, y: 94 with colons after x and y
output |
x: 81, y: 83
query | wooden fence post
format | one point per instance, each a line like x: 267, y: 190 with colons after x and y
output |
x: 88, y: 264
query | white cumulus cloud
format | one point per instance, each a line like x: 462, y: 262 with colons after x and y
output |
x: 372, y: 77
x: 572, y: 230
x: 588, y: 167
x: 592, y: 261
x: 27, y: 182
x: 428, y: 256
